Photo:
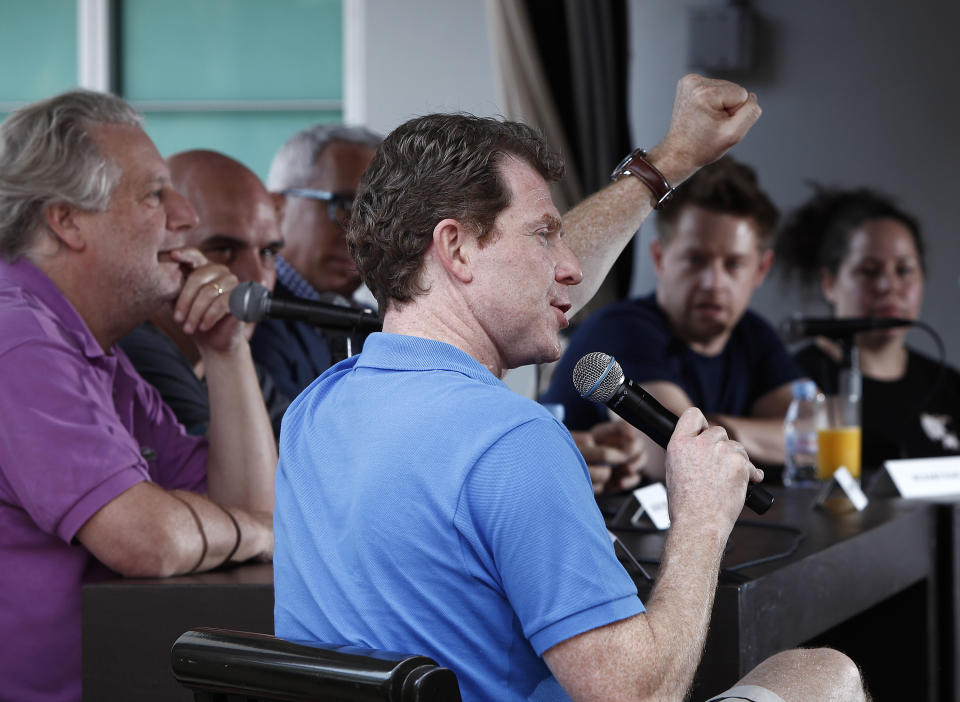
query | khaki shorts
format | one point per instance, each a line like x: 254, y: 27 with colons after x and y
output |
x: 747, y: 693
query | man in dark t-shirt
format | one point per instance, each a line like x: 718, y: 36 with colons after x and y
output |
x: 693, y: 341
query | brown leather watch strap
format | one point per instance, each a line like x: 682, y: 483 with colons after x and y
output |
x: 636, y: 164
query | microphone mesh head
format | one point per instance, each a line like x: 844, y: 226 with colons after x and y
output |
x: 597, y: 372
x: 249, y: 301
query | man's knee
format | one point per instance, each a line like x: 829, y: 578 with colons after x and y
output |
x: 792, y: 673
x: 836, y: 666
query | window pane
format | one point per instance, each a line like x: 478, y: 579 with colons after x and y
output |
x: 38, y: 48
x: 231, y: 49
x: 250, y: 137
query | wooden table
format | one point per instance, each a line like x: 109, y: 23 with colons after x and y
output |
x: 129, y: 626
x: 865, y: 582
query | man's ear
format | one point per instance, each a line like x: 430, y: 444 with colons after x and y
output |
x: 763, y: 267
x: 453, y: 244
x: 656, y: 255
x: 827, y: 283
x: 64, y: 222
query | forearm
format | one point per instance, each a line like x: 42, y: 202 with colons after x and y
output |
x: 761, y: 437
x: 243, y: 451
x: 150, y: 532
x: 679, y: 609
x: 598, y: 229
x: 653, y: 656
x: 246, y: 536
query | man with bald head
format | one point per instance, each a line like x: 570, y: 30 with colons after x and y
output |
x: 238, y: 228
x: 316, y: 172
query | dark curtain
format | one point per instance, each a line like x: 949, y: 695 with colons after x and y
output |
x: 583, y: 46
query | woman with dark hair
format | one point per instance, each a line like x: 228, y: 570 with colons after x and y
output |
x: 868, y: 256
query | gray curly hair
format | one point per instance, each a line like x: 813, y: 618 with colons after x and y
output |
x: 294, y: 163
x: 47, y: 155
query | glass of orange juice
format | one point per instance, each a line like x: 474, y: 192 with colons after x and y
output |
x: 839, y: 443
x: 838, y: 446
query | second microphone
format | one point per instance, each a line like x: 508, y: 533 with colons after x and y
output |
x: 251, y: 302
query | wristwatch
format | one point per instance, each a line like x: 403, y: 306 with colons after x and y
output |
x: 636, y: 164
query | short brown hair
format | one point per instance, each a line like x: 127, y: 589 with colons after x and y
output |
x: 429, y: 169
x: 724, y: 187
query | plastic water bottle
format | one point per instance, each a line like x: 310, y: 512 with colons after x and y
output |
x: 807, y: 413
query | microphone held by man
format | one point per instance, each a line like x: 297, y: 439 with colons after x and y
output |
x: 598, y: 377
x: 252, y: 302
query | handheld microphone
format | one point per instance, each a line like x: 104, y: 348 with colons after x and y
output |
x: 796, y: 328
x: 600, y: 378
x: 251, y: 302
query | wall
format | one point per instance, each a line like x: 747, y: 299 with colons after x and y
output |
x: 422, y: 56
x: 854, y: 93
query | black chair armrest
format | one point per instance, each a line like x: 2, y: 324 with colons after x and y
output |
x: 223, y: 662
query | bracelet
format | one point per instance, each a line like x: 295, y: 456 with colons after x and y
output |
x: 236, y: 544
x: 637, y: 165
x: 203, y: 535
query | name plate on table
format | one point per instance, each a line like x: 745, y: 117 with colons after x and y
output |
x: 847, y: 485
x: 653, y: 503
x: 925, y: 477
x: 851, y: 487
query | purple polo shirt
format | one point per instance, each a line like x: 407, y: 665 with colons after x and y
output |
x: 77, y: 428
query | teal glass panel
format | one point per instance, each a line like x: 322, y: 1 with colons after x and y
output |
x: 232, y: 49
x: 38, y: 48
x: 250, y: 137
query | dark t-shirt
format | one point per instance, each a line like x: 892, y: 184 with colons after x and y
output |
x: 159, y: 361
x: 917, y: 416
x: 636, y: 333
x: 295, y: 353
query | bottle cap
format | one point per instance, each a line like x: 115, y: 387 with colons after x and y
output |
x: 804, y: 389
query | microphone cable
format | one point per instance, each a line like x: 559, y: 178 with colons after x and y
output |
x: 730, y: 573
x: 942, y: 367
x: 798, y: 536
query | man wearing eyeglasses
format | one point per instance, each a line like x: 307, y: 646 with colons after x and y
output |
x: 317, y: 172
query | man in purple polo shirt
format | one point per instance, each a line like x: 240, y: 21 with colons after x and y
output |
x: 97, y: 477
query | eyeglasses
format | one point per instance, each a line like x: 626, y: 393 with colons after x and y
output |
x: 338, y: 206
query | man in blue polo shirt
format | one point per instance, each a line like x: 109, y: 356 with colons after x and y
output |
x: 694, y: 342
x: 423, y: 506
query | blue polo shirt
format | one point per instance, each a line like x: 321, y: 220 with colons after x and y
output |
x: 424, y: 507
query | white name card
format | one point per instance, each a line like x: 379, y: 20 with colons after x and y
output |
x: 926, y: 477
x: 653, y: 502
x: 850, y: 487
